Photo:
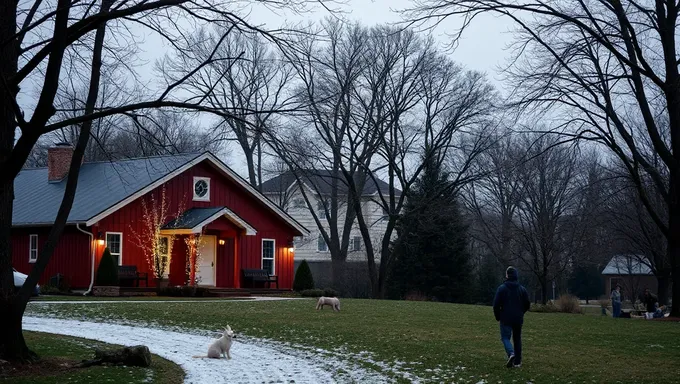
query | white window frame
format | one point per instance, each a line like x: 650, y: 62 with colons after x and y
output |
x: 120, y: 254
x: 193, y: 188
x: 321, y: 210
x: 169, y: 249
x: 356, y: 240
x: 273, y: 258
x: 321, y: 238
x: 32, y: 259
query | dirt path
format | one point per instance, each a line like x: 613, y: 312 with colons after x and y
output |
x: 251, y: 362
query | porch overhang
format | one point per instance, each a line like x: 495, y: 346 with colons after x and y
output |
x: 192, y: 221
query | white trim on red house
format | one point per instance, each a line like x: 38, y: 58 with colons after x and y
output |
x: 31, y: 249
x: 273, y: 259
x: 120, y: 253
x: 220, y: 166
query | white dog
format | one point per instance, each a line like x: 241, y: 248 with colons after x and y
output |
x: 332, y: 301
x: 221, y: 346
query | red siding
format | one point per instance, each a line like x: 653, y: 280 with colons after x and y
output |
x: 223, y: 192
x: 71, y: 257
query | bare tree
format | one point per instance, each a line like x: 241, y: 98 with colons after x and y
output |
x: 548, y: 198
x: 435, y: 109
x: 609, y: 71
x: 332, y: 128
x: 250, y: 81
x: 36, y: 38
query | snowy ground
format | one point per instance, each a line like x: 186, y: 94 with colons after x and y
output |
x: 253, y: 361
x: 249, y: 298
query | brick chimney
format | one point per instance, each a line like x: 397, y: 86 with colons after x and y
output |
x: 58, y: 161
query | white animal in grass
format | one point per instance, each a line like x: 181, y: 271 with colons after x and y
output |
x: 221, y: 346
x: 332, y: 301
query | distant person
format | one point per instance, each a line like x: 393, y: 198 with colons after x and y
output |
x: 616, y: 302
x: 650, y: 301
x: 509, y: 306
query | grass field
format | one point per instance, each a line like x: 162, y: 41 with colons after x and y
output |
x: 59, y: 352
x: 435, y: 341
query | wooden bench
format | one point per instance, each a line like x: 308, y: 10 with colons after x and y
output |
x: 128, y: 273
x: 260, y: 276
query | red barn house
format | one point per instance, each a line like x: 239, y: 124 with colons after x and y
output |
x: 239, y: 227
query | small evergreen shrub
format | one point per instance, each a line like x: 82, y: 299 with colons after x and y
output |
x: 303, y: 278
x: 329, y: 292
x: 107, y: 272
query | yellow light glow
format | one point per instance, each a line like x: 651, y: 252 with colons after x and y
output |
x: 291, y: 249
x: 100, y: 241
x: 221, y: 241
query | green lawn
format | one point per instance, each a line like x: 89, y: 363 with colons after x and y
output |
x: 431, y: 339
x: 59, y: 352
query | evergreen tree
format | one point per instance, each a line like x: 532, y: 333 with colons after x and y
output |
x: 431, y: 253
x: 586, y: 282
x: 107, y: 272
x: 303, y: 278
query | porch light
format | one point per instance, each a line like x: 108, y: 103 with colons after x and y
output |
x: 100, y: 241
x: 221, y: 241
x: 291, y: 246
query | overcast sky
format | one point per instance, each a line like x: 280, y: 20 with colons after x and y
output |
x: 482, y: 47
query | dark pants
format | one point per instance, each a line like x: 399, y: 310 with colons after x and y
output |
x: 514, y: 331
x: 616, y: 309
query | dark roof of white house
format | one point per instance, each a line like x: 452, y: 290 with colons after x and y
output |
x: 322, y: 181
x: 100, y: 186
x: 627, y: 265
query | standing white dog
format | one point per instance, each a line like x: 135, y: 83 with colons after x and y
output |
x: 332, y: 301
x: 221, y: 346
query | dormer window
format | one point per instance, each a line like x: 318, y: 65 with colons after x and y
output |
x: 201, y: 189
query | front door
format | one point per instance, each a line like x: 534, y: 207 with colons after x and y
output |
x: 206, y: 263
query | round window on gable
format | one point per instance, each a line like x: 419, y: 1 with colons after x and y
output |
x: 201, y: 188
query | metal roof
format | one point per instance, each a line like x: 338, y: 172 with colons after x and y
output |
x: 628, y: 265
x: 192, y: 217
x: 100, y: 186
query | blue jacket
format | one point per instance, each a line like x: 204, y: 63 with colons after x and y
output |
x: 511, y: 302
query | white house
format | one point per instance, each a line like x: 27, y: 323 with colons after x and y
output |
x: 285, y: 191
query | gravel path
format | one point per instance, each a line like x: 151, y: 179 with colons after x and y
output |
x: 251, y: 362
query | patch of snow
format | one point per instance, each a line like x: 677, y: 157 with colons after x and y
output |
x: 253, y: 361
x: 254, y: 298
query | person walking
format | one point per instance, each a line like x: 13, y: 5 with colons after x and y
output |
x: 616, y: 302
x: 509, y: 306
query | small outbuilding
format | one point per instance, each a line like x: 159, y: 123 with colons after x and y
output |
x: 632, y: 272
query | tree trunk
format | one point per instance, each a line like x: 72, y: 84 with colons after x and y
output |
x: 338, y: 275
x: 544, y: 291
x: 12, y: 343
x: 663, y: 283
x: 674, y: 240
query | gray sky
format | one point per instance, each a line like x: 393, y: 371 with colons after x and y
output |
x: 482, y: 47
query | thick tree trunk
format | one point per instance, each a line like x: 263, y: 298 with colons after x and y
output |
x: 544, y: 291
x: 12, y: 343
x: 663, y: 284
x: 674, y: 240
x: 338, y: 275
